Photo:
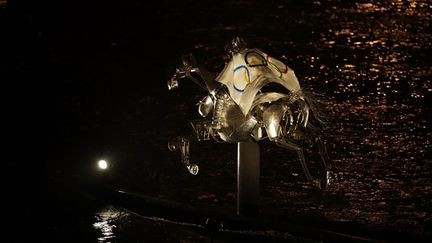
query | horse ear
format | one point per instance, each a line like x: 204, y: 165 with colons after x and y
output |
x: 193, y: 60
x: 236, y: 45
x: 189, y: 60
x: 190, y: 63
x: 185, y: 60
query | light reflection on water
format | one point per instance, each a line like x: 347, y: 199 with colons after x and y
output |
x: 371, y: 60
x: 106, y: 221
x: 374, y: 51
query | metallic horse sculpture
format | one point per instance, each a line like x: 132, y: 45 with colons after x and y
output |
x: 237, y: 109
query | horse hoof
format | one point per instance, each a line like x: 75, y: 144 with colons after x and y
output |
x: 173, y: 145
x: 318, y: 183
x: 193, y: 169
x: 330, y: 178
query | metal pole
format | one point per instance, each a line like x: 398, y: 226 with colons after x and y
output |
x: 248, y: 178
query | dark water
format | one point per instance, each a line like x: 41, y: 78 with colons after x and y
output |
x: 107, y: 66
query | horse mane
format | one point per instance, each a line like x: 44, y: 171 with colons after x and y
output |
x: 317, y: 104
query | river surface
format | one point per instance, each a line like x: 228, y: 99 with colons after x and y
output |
x: 369, y: 62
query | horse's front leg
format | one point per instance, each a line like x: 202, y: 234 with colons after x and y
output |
x: 182, y: 144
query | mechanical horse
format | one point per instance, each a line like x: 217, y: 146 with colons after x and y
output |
x: 237, y: 109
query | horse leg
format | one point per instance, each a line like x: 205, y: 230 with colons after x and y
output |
x: 292, y: 146
x: 324, y: 158
x: 323, y: 152
x: 182, y: 144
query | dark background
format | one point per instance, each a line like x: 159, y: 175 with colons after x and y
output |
x: 84, y: 80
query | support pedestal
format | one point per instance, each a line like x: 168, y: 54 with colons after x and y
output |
x: 248, y: 178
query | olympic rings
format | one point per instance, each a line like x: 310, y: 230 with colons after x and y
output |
x: 246, y: 77
x: 265, y: 61
x: 262, y: 64
x: 277, y: 68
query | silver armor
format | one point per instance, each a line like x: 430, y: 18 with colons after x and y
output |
x: 236, y: 109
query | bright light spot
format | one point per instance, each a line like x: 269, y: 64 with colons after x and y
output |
x: 103, y: 165
x: 272, y: 130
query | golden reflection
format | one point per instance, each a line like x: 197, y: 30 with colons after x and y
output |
x: 387, y: 42
x: 106, y: 221
x: 376, y: 73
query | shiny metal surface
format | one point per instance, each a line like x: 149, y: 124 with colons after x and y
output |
x: 242, y: 110
x: 205, y: 106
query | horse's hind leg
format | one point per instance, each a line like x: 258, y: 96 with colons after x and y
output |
x: 323, y: 152
x: 305, y: 167
x: 324, y: 158
x: 292, y: 146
